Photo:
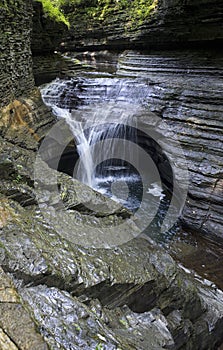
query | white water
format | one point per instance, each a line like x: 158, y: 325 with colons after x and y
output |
x: 86, y: 167
x: 99, y: 128
x: 98, y: 140
x: 103, y: 131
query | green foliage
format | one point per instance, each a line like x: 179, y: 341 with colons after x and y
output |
x: 141, y: 9
x: 136, y: 11
x: 99, y: 347
x: 53, y: 8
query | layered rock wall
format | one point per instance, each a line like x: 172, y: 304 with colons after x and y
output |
x: 15, y: 60
x: 174, y: 23
x: 21, y: 109
x: 46, y: 33
x: 68, y: 296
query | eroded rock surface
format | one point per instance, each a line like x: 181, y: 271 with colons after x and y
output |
x: 142, y: 292
x: 17, y: 329
x: 16, y: 61
x: 184, y: 90
x: 56, y: 293
x: 133, y: 296
x: 174, y: 23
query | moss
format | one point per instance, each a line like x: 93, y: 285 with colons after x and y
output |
x: 136, y: 12
x: 53, y: 9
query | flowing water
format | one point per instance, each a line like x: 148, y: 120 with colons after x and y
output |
x: 102, y: 110
x: 105, y: 133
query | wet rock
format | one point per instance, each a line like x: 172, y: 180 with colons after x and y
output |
x: 17, y: 329
x: 148, y: 330
x: 44, y: 264
x: 145, y: 299
x: 184, y: 90
x: 69, y: 288
x: 66, y: 322
x: 24, y: 122
x: 190, y: 108
x: 89, y: 327
x: 47, y: 68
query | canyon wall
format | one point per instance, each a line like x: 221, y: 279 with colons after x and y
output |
x: 15, y: 60
x: 173, y: 24
x: 55, y: 293
x: 22, y: 111
x: 46, y: 33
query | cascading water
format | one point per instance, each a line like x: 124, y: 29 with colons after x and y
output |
x: 159, y: 81
x: 100, y: 144
x: 86, y: 169
x: 93, y: 125
x: 104, y: 134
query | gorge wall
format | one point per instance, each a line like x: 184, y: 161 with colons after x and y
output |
x: 22, y: 110
x: 55, y: 294
x: 191, y: 106
x: 174, y: 23
x: 46, y: 33
x: 16, y: 61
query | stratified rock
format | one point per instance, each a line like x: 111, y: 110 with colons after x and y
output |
x: 47, y: 34
x: 17, y: 329
x: 15, y: 61
x: 133, y: 279
x: 175, y: 23
x: 70, y: 289
x: 182, y: 89
x: 89, y: 327
x: 21, y: 118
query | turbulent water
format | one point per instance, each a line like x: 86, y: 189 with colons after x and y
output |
x: 173, y: 85
x: 106, y: 139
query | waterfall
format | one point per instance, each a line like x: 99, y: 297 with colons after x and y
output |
x: 86, y: 167
x: 100, y: 134
x: 102, y: 114
x: 123, y: 148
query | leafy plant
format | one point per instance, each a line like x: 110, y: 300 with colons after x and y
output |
x: 53, y: 8
x: 136, y: 10
x: 18, y: 178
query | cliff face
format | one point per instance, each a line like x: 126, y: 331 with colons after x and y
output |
x: 21, y: 107
x: 46, y: 33
x: 173, y: 23
x: 180, y: 24
x: 138, y: 287
x: 15, y: 60
x: 21, y: 111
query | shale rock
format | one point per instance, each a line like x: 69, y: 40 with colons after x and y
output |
x: 141, y: 290
x: 184, y: 91
x: 17, y: 329
x: 133, y: 296
x: 46, y: 33
x: 57, y: 292
x: 172, y: 24
x: 15, y: 61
